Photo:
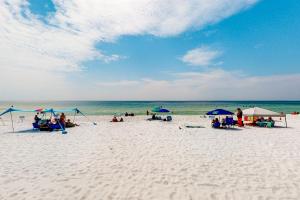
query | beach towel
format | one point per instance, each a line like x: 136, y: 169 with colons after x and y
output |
x: 194, y: 126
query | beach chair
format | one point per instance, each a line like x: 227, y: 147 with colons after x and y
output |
x: 216, y: 125
x: 56, y: 126
x: 270, y: 124
x: 169, y: 118
x: 229, y: 122
x: 261, y: 124
x: 35, y: 125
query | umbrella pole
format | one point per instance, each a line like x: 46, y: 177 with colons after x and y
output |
x: 285, y: 122
x: 74, y: 117
x: 12, y: 122
x: 87, y: 118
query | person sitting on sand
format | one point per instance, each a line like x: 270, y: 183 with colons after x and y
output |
x: 223, y: 122
x: 213, y: 121
x: 216, y: 123
x: 36, y: 118
x: 53, y: 120
x: 121, y: 120
x: 126, y: 114
x: 270, y: 119
x: 70, y: 124
x: 114, y: 119
x: 62, y: 119
x: 153, y: 117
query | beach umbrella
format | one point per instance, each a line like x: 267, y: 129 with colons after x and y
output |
x: 156, y: 109
x: 50, y: 110
x: 261, y: 112
x: 219, y: 112
x: 118, y: 114
x: 160, y: 110
x: 163, y: 110
x: 39, y: 110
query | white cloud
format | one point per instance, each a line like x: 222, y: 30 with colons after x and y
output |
x: 202, y: 56
x: 169, y: 17
x: 28, y: 85
x: 211, y: 85
x: 77, y: 25
x: 69, y: 37
x: 121, y: 83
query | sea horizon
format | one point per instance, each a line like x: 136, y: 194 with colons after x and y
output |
x: 139, y: 107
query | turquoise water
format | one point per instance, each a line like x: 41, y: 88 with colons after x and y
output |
x: 140, y: 107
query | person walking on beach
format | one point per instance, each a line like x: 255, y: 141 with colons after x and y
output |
x: 239, y: 115
x: 147, y: 112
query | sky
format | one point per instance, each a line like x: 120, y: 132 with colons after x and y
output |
x: 149, y: 50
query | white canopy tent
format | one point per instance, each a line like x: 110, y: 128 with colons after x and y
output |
x: 261, y: 112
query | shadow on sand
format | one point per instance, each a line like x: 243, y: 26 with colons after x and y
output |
x: 27, y: 131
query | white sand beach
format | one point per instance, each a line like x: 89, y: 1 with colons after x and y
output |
x: 138, y: 159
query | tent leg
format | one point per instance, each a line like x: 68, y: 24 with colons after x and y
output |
x: 63, y: 130
x: 12, y: 122
x: 285, y: 122
x: 74, y: 117
x: 87, y: 118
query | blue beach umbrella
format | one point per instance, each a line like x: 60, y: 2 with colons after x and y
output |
x: 219, y: 112
x: 163, y: 110
x: 160, y: 110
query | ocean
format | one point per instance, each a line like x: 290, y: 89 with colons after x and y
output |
x: 140, y: 107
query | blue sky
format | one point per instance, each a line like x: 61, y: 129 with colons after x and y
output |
x: 240, y: 50
x: 260, y: 41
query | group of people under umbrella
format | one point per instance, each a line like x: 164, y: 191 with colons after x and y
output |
x: 44, y: 122
x: 228, y: 121
x: 55, y: 122
x: 160, y: 110
x: 252, y: 116
x: 157, y: 113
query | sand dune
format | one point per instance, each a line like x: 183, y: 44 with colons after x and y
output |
x: 139, y: 159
